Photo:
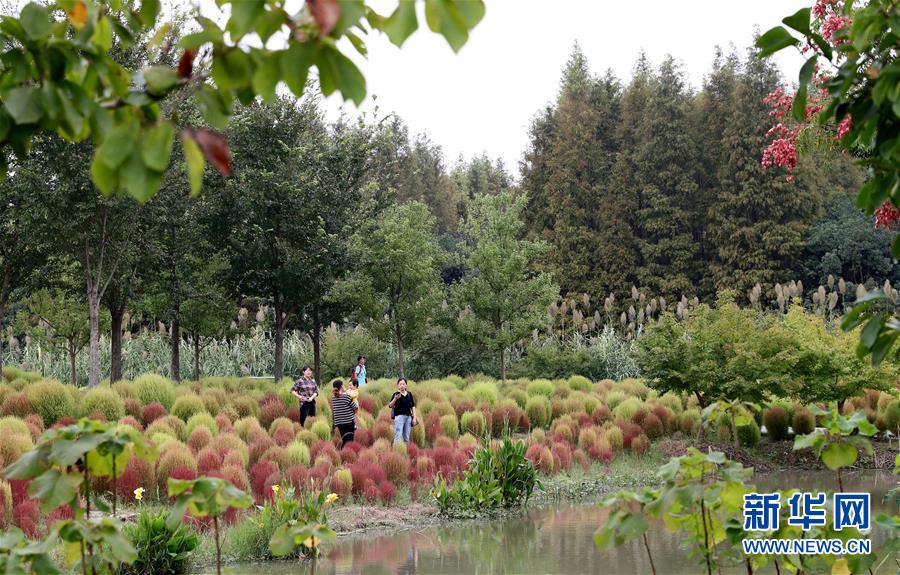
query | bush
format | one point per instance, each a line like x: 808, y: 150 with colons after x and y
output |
x: 542, y: 387
x: 473, y: 422
x: 776, y: 421
x: 689, y: 421
x: 105, y: 401
x: 804, y: 422
x: 296, y: 453
x: 450, y: 425
x: 748, y: 435
x: 321, y: 429
x: 199, y: 438
x: 151, y: 412
x: 173, y: 455
x: 538, y: 411
x: 187, y: 406
x: 627, y: 408
x: 202, y: 419
x: 580, y: 383
x: 51, y: 400
x: 13, y: 425
x: 150, y: 388
x: 159, y: 549
x: 14, y: 445
x: 16, y: 404
x: 483, y: 392
x: 892, y: 416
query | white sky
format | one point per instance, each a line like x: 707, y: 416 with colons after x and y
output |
x: 484, y: 98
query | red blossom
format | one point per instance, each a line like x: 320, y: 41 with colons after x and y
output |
x: 887, y: 216
x: 844, y: 127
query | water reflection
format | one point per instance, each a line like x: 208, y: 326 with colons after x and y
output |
x: 545, y: 540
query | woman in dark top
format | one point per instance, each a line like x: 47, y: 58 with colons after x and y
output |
x: 404, y: 406
x: 343, y: 412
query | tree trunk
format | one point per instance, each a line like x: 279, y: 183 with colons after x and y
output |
x: 400, y: 349
x: 116, y: 314
x: 316, y: 336
x: 73, y: 351
x: 503, y: 365
x: 175, y: 342
x: 5, y: 289
x: 94, y: 316
x: 280, y: 320
x: 197, y: 356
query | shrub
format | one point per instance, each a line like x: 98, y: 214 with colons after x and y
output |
x: 51, y: 400
x: 199, y: 438
x: 689, y: 421
x: 580, y: 383
x: 538, y: 411
x: 803, y: 422
x: 237, y: 476
x: 892, y: 416
x: 283, y: 436
x: 776, y: 421
x: 224, y: 443
x: 652, y: 426
x: 627, y: 408
x: 260, y: 475
x: 159, y: 549
x: 245, y: 406
x: 615, y: 437
x: 273, y: 409
x: 483, y: 392
x: 173, y: 455
x: 208, y: 460
x: 541, y: 387
x: 13, y: 425
x: 14, y: 445
x: 468, y: 442
x: 748, y: 435
x: 105, y: 401
x: 187, y: 406
x: 322, y: 429
x: 204, y: 420
x: 151, y: 412
x: 386, y: 492
x: 150, y: 388
x: 473, y: 422
x: 27, y: 516
x: 177, y: 425
x: 541, y: 457
x: 296, y: 453
x: 395, y: 465
x: 640, y: 444
x: 16, y: 404
x: 246, y: 427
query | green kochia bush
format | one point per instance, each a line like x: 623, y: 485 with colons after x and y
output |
x: 150, y: 387
x: 542, y: 387
x: 473, y: 422
x: 748, y: 435
x: 187, y: 406
x: 51, y: 400
x: 538, y: 411
x: 483, y: 392
x: 105, y: 401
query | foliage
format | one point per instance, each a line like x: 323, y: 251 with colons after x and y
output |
x: 304, y: 523
x: 105, y: 401
x: 858, y: 43
x: 51, y: 400
x: 120, y: 108
x: 776, y: 421
x: 495, y: 478
x: 19, y: 555
x: 159, y: 549
x: 499, y: 301
x: 843, y: 437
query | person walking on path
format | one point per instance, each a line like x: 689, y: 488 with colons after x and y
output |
x: 306, y: 390
x: 343, y: 413
x: 404, y: 405
x: 359, y: 372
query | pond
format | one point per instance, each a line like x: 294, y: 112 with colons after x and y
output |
x: 553, y: 539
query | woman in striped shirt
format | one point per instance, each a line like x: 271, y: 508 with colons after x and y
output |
x: 343, y: 413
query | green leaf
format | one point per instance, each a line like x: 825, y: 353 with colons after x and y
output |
x: 774, y: 40
x: 295, y: 63
x: 105, y: 178
x: 870, y: 333
x: 336, y: 71
x: 149, y: 12
x: 157, y: 146
x: 118, y: 145
x: 35, y: 20
x: 23, y: 104
x: 811, y: 440
x: 54, y: 488
x: 839, y: 455
x: 244, y: 14
x: 800, y: 98
x: 443, y: 17
x: 29, y: 465
x: 266, y: 76
x: 103, y: 36
x: 195, y: 162
x: 160, y: 79
x: 401, y: 23
x: 824, y: 46
x: 799, y: 21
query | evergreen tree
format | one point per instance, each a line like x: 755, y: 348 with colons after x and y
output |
x: 758, y: 220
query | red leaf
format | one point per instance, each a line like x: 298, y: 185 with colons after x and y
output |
x: 215, y: 149
x: 186, y: 64
x: 326, y: 14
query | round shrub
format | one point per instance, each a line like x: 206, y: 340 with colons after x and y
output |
x: 689, y: 421
x: 296, y: 453
x: 271, y: 410
x: 151, y: 412
x: 450, y: 425
x: 652, y: 426
x: 580, y: 383
x: 51, y: 400
x: 473, y: 422
x: 105, y: 401
x: 10, y: 425
x: 748, y: 435
x: 187, y: 406
x: 468, y: 442
x: 199, y: 438
x: 483, y: 392
x: 150, y: 388
x: 541, y: 457
x: 395, y: 465
x: 640, y: 444
x: 202, y: 420
x: 321, y: 429
x: 245, y: 406
x: 280, y: 423
x: 14, y: 445
x: 177, y: 425
x: 173, y: 455
x: 16, y: 404
x: 627, y: 408
x: 542, y: 387
x: 803, y: 422
x: 247, y: 427
x: 615, y: 437
x: 519, y: 396
x: 346, y: 478
x: 538, y: 410
x: 224, y: 443
x: 776, y: 421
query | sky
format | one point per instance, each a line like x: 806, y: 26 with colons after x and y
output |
x: 483, y: 99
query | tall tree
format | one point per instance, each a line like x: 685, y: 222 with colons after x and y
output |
x: 756, y: 227
x: 501, y: 301
x: 397, y: 285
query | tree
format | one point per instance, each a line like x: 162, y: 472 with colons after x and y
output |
x: 859, y: 111
x: 58, y: 319
x: 396, y: 284
x: 717, y: 353
x: 206, y: 311
x: 500, y: 301
x: 62, y: 76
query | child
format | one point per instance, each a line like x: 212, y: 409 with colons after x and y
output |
x: 353, y: 391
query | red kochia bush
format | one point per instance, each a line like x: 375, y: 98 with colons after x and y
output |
x: 363, y: 437
x: 562, y: 456
x: 61, y: 513
x: 271, y: 411
x: 138, y: 473
x: 151, y: 412
x: 366, y: 404
x: 395, y: 466
x: 133, y: 407
x: 387, y: 491
x: 442, y: 456
x: 327, y: 449
x: 223, y: 423
x: 259, y: 473
x: 338, y: 486
x: 363, y: 471
x: 27, y: 516
x: 283, y: 436
x: 298, y: 476
x: 600, y: 414
x: 208, y: 460
x: 17, y: 404
x: 129, y: 420
x: 370, y: 490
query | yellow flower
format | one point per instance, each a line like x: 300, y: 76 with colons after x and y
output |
x: 276, y: 489
x: 331, y: 498
x: 312, y: 542
x: 139, y: 493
